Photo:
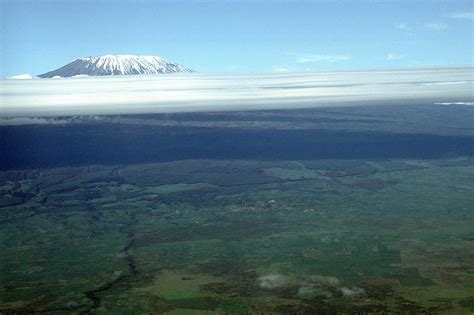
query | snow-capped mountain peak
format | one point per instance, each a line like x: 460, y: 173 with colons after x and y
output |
x: 116, y: 65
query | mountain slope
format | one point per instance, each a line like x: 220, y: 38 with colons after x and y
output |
x: 116, y: 65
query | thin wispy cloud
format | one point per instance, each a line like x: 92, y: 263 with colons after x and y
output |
x: 469, y: 15
x: 282, y: 69
x: 322, y: 58
x: 436, y: 26
x: 403, y: 27
x: 392, y: 56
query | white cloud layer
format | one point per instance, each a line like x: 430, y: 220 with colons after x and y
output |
x: 190, y: 93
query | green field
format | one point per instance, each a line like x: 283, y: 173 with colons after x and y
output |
x: 239, y: 237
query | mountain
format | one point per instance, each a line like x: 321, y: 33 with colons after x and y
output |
x: 116, y: 65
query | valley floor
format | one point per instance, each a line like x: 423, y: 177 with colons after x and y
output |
x: 240, y: 236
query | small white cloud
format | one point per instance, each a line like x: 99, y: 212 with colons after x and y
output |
x: 25, y: 76
x: 456, y: 103
x: 272, y: 281
x: 447, y: 83
x: 392, y: 56
x: 282, y: 69
x: 322, y: 58
x: 352, y: 292
x: 403, y: 27
x: 462, y: 15
x: 436, y: 26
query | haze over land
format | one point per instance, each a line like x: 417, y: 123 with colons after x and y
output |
x: 194, y: 92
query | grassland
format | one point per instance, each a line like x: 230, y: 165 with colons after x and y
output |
x: 239, y: 237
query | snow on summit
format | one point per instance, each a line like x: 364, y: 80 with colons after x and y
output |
x: 116, y: 65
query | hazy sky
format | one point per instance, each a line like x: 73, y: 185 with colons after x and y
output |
x: 238, y: 36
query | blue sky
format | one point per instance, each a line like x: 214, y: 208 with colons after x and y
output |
x: 239, y: 36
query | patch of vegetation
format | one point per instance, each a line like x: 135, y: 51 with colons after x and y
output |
x: 323, y: 236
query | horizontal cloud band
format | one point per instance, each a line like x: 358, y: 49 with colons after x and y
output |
x: 187, y: 93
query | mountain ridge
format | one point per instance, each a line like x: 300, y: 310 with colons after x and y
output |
x: 116, y: 65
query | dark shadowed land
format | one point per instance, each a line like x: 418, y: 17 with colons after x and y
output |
x: 340, y: 210
x: 371, y: 132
